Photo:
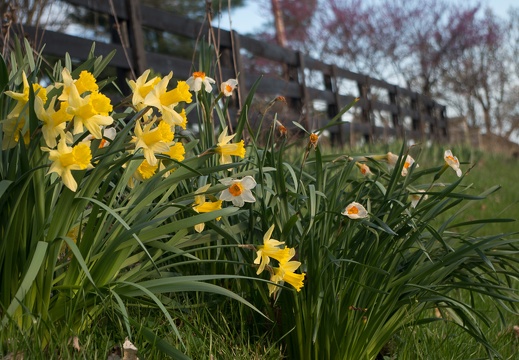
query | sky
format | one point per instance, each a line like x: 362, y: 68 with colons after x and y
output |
x: 251, y: 17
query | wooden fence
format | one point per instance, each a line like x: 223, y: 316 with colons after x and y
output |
x: 383, y: 111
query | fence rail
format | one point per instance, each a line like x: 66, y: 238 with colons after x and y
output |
x: 404, y: 112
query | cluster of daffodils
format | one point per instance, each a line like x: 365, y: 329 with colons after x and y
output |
x: 64, y: 109
x: 74, y: 112
x: 450, y: 161
x: 357, y: 211
x: 285, y: 271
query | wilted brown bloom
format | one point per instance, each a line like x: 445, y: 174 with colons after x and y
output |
x: 313, y: 139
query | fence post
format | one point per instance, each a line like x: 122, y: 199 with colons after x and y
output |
x: 417, y: 120
x: 396, y: 113
x: 330, y: 83
x: 364, y: 91
x: 305, y: 98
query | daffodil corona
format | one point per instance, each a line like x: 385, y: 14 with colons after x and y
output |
x: 355, y: 211
x: 364, y: 169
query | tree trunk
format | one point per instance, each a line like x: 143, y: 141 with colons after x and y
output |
x: 279, y: 23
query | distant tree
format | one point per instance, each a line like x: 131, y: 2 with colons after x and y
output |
x: 411, y: 40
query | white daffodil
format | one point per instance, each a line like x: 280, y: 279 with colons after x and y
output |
x: 415, y: 198
x: 453, y: 162
x: 238, y: 191
x: 228, y: 86
x: 355, y: 211
x: 409, y: 161
x: 198, y: 79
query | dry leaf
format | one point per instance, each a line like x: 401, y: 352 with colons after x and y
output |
x: 75, y: 343
x: 129, y: 351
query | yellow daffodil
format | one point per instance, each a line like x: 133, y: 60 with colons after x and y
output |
x: 409, y: 161
x: 270, y: 249
x: 415, y: 198
x: 90, y: 112
x: 145, y: 171
x: 364, y: 169
x: 176, y: 152
x: 85, y: 83
x: 286, y: 272
x: 165, y: 101
x: 14, y: 125
x: 152, y: 141
x: 54, y: 122
x: 453, y: 162
x: 65, y: 159
x: 198, y: 79
x: 142, y: 87
x: 203, y: 206
x: 226, y: 150
x: 227, y: 87
x: 12, y: 129
x: 23, y: 98
x: 238, y: 191
x: 355, y: 211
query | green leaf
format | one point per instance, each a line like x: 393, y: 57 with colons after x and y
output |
x: 4, y: 185
x: 4, y: 76
x: 29, y: 276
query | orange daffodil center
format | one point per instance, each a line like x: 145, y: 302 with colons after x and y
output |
x: 236, y: 189
x: 364, y: 169
x: 355, y: 211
